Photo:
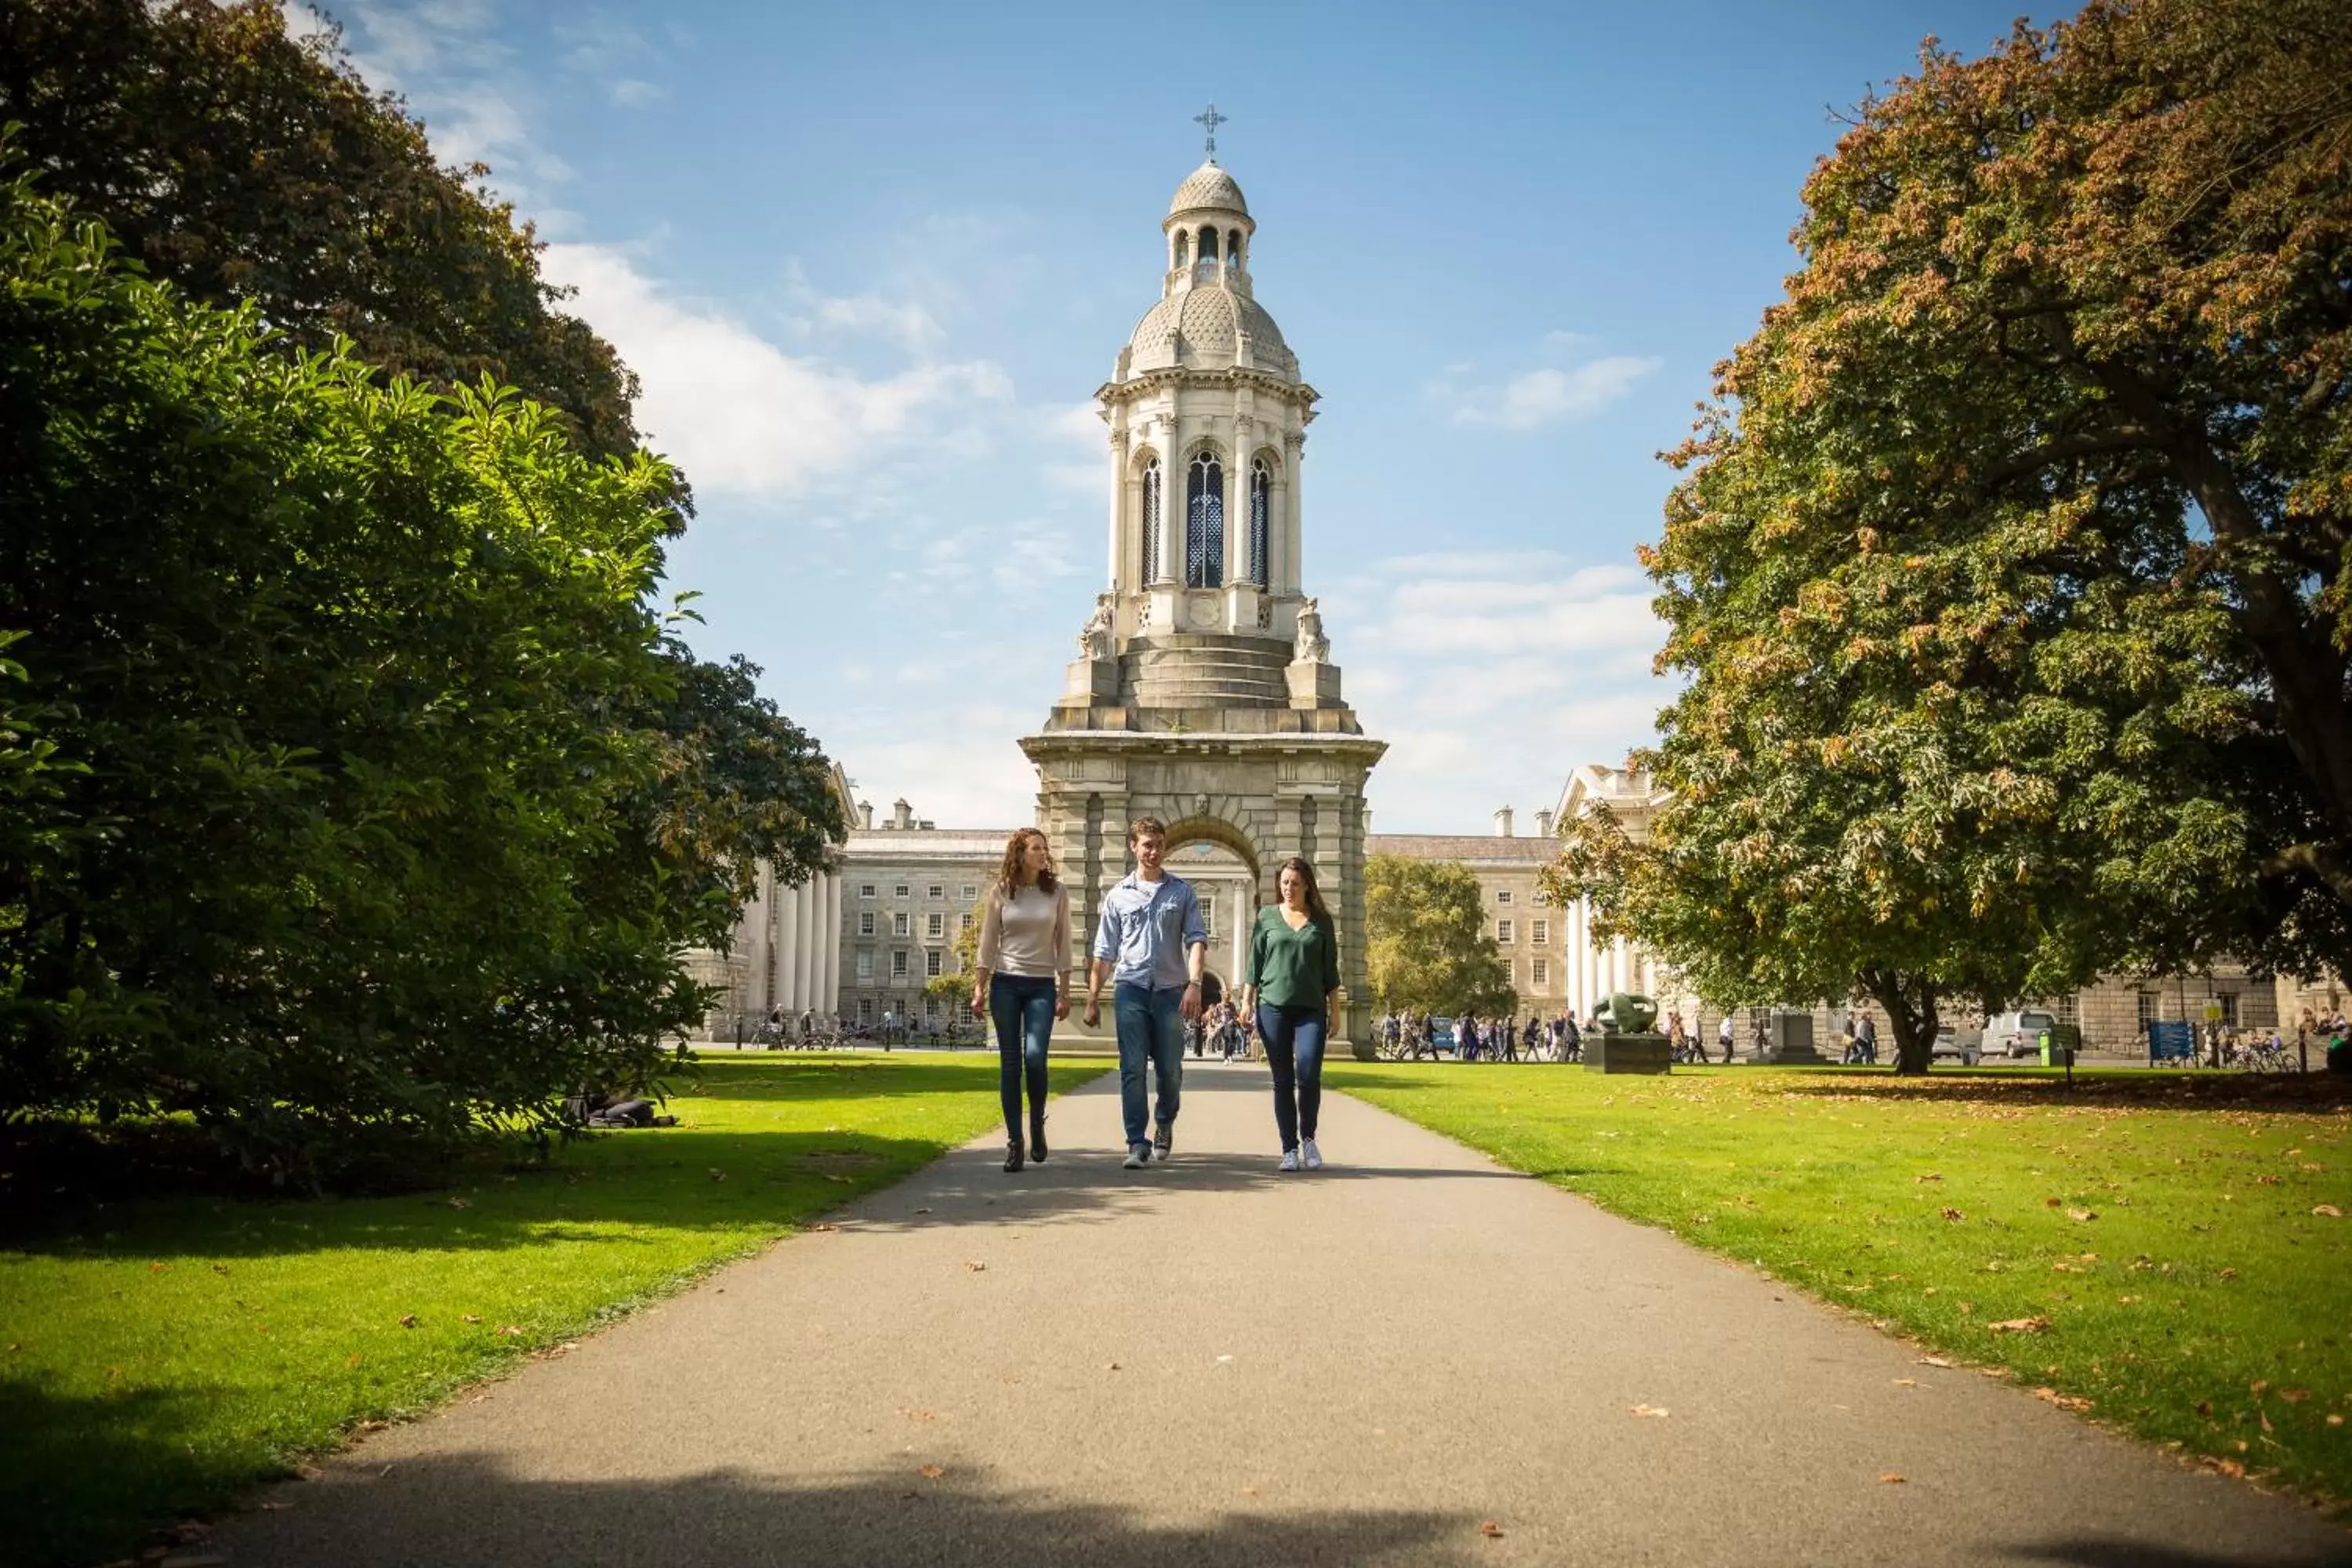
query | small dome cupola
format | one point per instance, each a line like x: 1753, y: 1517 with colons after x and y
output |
x: 1208, y: 227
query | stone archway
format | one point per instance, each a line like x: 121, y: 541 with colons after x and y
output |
x: 1224, y: 869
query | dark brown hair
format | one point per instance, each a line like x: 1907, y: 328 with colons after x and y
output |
x: 1008, y: 872
x: 1315, y: 910
x: 1143, y: 825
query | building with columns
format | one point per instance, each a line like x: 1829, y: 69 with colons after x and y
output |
x: 1203, y: 692
x: 787, y: 950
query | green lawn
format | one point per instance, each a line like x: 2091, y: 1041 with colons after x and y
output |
x: 2162, y: 1224
x: 157, y: 1357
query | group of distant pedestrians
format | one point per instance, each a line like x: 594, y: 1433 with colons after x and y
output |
x: 1150, y: 949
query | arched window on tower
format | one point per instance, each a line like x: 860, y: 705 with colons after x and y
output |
x: 1260, y: 521
x: 1183, y: 250
x: 1204, y: 523
x: 1234, y: 248
x: 1205, y: 270
x: 1151, y: 519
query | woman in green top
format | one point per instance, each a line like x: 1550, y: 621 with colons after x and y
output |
x: 1294, y: 968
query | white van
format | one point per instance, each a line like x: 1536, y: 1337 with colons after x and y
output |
x: 2015, y: 1035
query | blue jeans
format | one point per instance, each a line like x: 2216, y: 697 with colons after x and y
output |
x: 1021, y: 1006
x: 1149, y: 1029
x: 1294, y: 1048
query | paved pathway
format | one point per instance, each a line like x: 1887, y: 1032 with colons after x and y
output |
x: 1208, y: 1362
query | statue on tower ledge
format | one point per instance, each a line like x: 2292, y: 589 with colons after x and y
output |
x: 1312, y: 647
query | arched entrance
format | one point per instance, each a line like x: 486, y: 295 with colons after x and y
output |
x: 1216, y: 861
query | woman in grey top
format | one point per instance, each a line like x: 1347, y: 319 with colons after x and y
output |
x: 1021, y: 979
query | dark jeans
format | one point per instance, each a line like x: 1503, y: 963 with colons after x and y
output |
x: 1294, y: 1048
x: 1023, y: 1008
x: 1151, y: 1028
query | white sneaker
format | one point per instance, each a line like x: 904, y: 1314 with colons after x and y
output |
x: 1313, y: 1157
x: 1290, y: 1160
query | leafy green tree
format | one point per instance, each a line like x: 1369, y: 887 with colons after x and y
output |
x: 2009, y: 569
x: 393, y: 801
x: 242, y: 164
x: 1426, y: 943
x: 953, y: 988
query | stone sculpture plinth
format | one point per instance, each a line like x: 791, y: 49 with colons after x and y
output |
x: 1623, y: 1040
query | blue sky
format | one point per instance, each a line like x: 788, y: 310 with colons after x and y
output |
x: 872, y: 261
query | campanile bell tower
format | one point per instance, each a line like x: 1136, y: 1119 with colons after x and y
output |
x: 1203, y: 692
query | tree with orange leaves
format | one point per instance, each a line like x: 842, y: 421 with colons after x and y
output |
x: 2012, y: 568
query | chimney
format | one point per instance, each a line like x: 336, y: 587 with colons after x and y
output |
x: 1543, y: 822
x: 866, y: 815
x: 902, y: 815
x: 1502, y: 829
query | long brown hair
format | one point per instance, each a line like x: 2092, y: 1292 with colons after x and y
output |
x: 1315, y: 910
x: 1008, y: 873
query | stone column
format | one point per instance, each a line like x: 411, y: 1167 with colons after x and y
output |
x: 1120, y: 484
x: 828, y: 979
x: 804, y: 961
x: 1175, y: 508
x: 787, y: 932
x: 1237, y: 486
x: 1295, y: 449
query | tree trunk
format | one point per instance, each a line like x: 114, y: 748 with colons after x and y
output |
x: 1911, y: 1013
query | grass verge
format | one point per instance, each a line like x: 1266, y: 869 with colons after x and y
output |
x: 2168, y: 1252
x: 158, y: 1357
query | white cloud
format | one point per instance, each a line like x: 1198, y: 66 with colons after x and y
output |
x: 1492, y: 675
x: 631, y: 92
x: 735, y: 411
x: 1546, y: 395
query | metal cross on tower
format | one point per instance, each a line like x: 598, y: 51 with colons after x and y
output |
x: 1212, y: 119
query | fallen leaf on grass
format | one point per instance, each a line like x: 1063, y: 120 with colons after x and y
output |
x: 350, y: 1361
x: 1647, y: 1410
x: 2020, y: 1326
x: 2204, y: 1407
x: 407, y: 1320
x: 2229, y: 1274
x: 1891, y: 1478
x: 459, y: 1203
x: 1490, y: 1530
x: 2333, y: 1420
x: 1933, y: 1360
x: 2329, y: 1210
x: 2310, y: 1165
x: 2062, y: 1400
x: 510, y: 1329
x: 1955, y: 1215
x: 2052, y: 1203
x: 2295, y: 1395
x: 717, y: 1175
x: 1930, y: 1176
x: 2230, y: 1467
x: 824, y: 1224
x: 473, y: 1318
x: 2081, y: 1215
x: 2266, y: 1181
x: 932, y: 1472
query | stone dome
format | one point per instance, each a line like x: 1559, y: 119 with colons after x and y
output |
x: 1208, y: 186
x: 1197, y: 329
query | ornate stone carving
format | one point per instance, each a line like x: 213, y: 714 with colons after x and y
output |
x: 1312, y: 645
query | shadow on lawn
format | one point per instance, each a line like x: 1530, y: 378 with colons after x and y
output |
x: 75, y: 1475
x: 2134, y: 1089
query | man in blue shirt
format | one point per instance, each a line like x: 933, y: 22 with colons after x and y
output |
x: 1153, y: 942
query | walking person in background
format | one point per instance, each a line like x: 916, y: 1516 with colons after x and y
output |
x: 1021, y: 979
x: 1723, y: 1035
x: 1294, y: 968
x: 1153, y: 944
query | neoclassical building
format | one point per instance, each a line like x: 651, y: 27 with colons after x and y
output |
x: 1203, y: 692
